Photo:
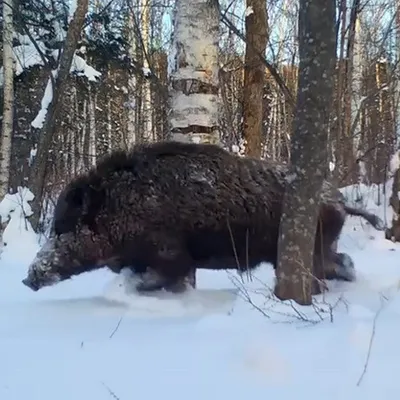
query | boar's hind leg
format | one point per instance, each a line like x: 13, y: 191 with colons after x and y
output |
x: 343, y: 267
x: 339, y: 266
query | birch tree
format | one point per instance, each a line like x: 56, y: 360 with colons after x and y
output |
x: 254, y: 75
x: 147, y: 106
x: 317, y: 46
x: 132, y: 80
x: 8, y: 103
x: 8, y: 97
x: 194, y: 75
x: 356, y: 88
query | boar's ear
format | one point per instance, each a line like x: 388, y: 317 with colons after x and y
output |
x: 74, y: 197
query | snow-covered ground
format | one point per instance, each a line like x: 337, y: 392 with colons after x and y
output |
x: 87, y: 339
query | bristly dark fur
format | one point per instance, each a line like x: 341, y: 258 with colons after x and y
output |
x: 173, y: 206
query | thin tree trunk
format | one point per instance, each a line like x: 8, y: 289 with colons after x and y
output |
x: 317, y: 45
x: 393, y: 232
x: 356, y: 91
x: 147, y: 106
x: 254, y: 75
x: 8, y: 97
x: 38, y: 174
x: 8, y: 105
x: 349, y: 150
x: 341, y: 74
x: 132, y: 81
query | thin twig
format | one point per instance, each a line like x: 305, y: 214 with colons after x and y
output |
x: 110, y: 391
x: 116, y: 328
x: 370, y: 343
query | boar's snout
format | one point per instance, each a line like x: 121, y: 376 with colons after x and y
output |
x: 45, y: 268
x: 30, y: 284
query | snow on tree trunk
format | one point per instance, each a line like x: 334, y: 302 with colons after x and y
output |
x: 317, y: 45
x: 8, y: 97
x: 8, y: 104
x: 57, y: 87
x: 254, y: 75
x: 194, y: 76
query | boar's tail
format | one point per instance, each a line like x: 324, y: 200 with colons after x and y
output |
x: 373, y: 219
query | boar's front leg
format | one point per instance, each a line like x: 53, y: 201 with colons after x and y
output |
x: 153, y: 281
x: 169, y: 265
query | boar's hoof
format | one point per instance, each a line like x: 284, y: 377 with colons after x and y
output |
x: 345, y: 267
x: 179, y: 286
x: 144, y: 287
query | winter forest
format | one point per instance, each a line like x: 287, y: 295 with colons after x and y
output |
x: 300, y: 101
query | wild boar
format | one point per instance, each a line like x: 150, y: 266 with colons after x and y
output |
x: 165, y: 209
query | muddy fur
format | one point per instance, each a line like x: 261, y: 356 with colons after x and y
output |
x: 172, y: 207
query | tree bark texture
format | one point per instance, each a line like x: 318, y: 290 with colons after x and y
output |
x: 194, y: 71
x: 38, y: 175
x: 317, y: 46
x: 8, y: 98
x: 254, y: 75
x: 393, y: 232
x: 148, y: 134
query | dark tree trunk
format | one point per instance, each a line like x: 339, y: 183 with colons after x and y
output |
x: 254, y: 75
x: 38, y: 172
x: 309, y: 156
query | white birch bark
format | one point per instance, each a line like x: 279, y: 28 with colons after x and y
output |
x: 397, y: 91
x: 356, y: 100
x: 132, y: 83
x: 92, y: 127
x: 147, y: 108
x: 8, y: 104
x: 194, y: 76
x: 8, y: 99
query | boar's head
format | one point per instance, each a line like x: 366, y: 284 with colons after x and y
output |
x: 75, y: 244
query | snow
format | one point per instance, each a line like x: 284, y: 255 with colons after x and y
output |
x: 46, y: 100
x: 78, y: 66
x: 395, y: 162
x: 91, y: 338
x: 15, y: 207
x: 82, y: 68
x: 249, y: 11
x: 72, y: 9
x: 146, y: 71
x: 26, y: 56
